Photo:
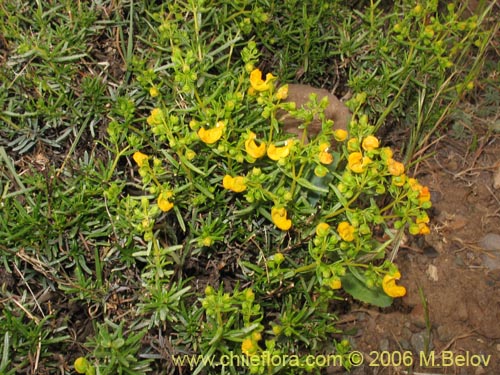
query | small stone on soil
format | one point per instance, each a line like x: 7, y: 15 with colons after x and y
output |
x: 496, y: 178
x: 418, y: 317
x: 384, y: 345
x: 491, y: 243
x: 432, y: 272
x: 418, y: 341
x: 446, y: 332
x: 430, y: 252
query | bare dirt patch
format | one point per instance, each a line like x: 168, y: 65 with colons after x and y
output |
x: 451, y: 313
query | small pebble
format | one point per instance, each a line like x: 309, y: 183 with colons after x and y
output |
x: 496, y: 178
x: 432, y: 272
x: 384, y: 345
x: 457, y: 223
x: 493, y: 278
x: 491, y: 258
x: 417, y: 317
x: 459, y: 261
x: 430, y: 252
x: 490, y: 241
x: 419, y: 339
x: 405, y: 345
x: 445, y: 333
x: 461, y: 312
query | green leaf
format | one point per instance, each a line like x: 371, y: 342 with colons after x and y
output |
x: 305, y: 183
x: 191, y: 166
x: 358, y: 289
x: 323, y: 182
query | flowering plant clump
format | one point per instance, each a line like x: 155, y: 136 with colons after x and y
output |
x: 229, y: 166
x: 301, y: 222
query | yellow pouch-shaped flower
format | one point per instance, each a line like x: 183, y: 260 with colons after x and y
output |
x: 140, y: 158
x: 346, y: 231
x: 236, y: 184
x: 395, y: 168
x: 357, y: 163
x: 252, y: 149
x: 277, y: 153
x: 257, y: 83
x: 163, y: 201
x: 390, y: 287
x: 324, y: 156
x: 212, y: 135
x: 340, y: 135
x: 370, y: 143
x: 278, y: 215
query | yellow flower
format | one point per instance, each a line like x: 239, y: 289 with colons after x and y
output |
x: 335, y: 284
x: 207, y: 241
x: 278, y: 215
x: 277, y: 329
x: 190, y: 154
x: 258, y: 84
x: 211, y: 135
x: 249, y: 296
x: 346, y: 231
x: 163, y: 201
x: 390, y: 287
x: 370, y: 143
x: 278, y: 258
x: 395, y: 167
x: 322, y: 229
x: 414, y: 184
x: 324, y: 156
x: 236, y: 184
x: 421, y: 226
x: 277, y: 153
x: 82, y: 365
x: 140, y: 158
x: 193, y: 124
x: 340, y: 135
x: 423, y: 218
x: 248, y: 346
x: 156, y: 117
x: 252, y: 149
x: 154, y: 92
x: 425, y: 195
x: 429, y: 31
x: 423, y: 229
x: 357, y: 163
x: 282, y: 92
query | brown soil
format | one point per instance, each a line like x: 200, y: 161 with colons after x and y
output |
x: 445, y: 274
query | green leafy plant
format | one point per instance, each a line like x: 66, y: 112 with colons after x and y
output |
x: 172, y: 193
x: 221, y: 173
x: 114, y: 352
x: 413, y: 62
x: 44, y: 88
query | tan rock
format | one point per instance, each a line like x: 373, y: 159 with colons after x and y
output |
x: 336, y: 110
x: 496, y: 178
